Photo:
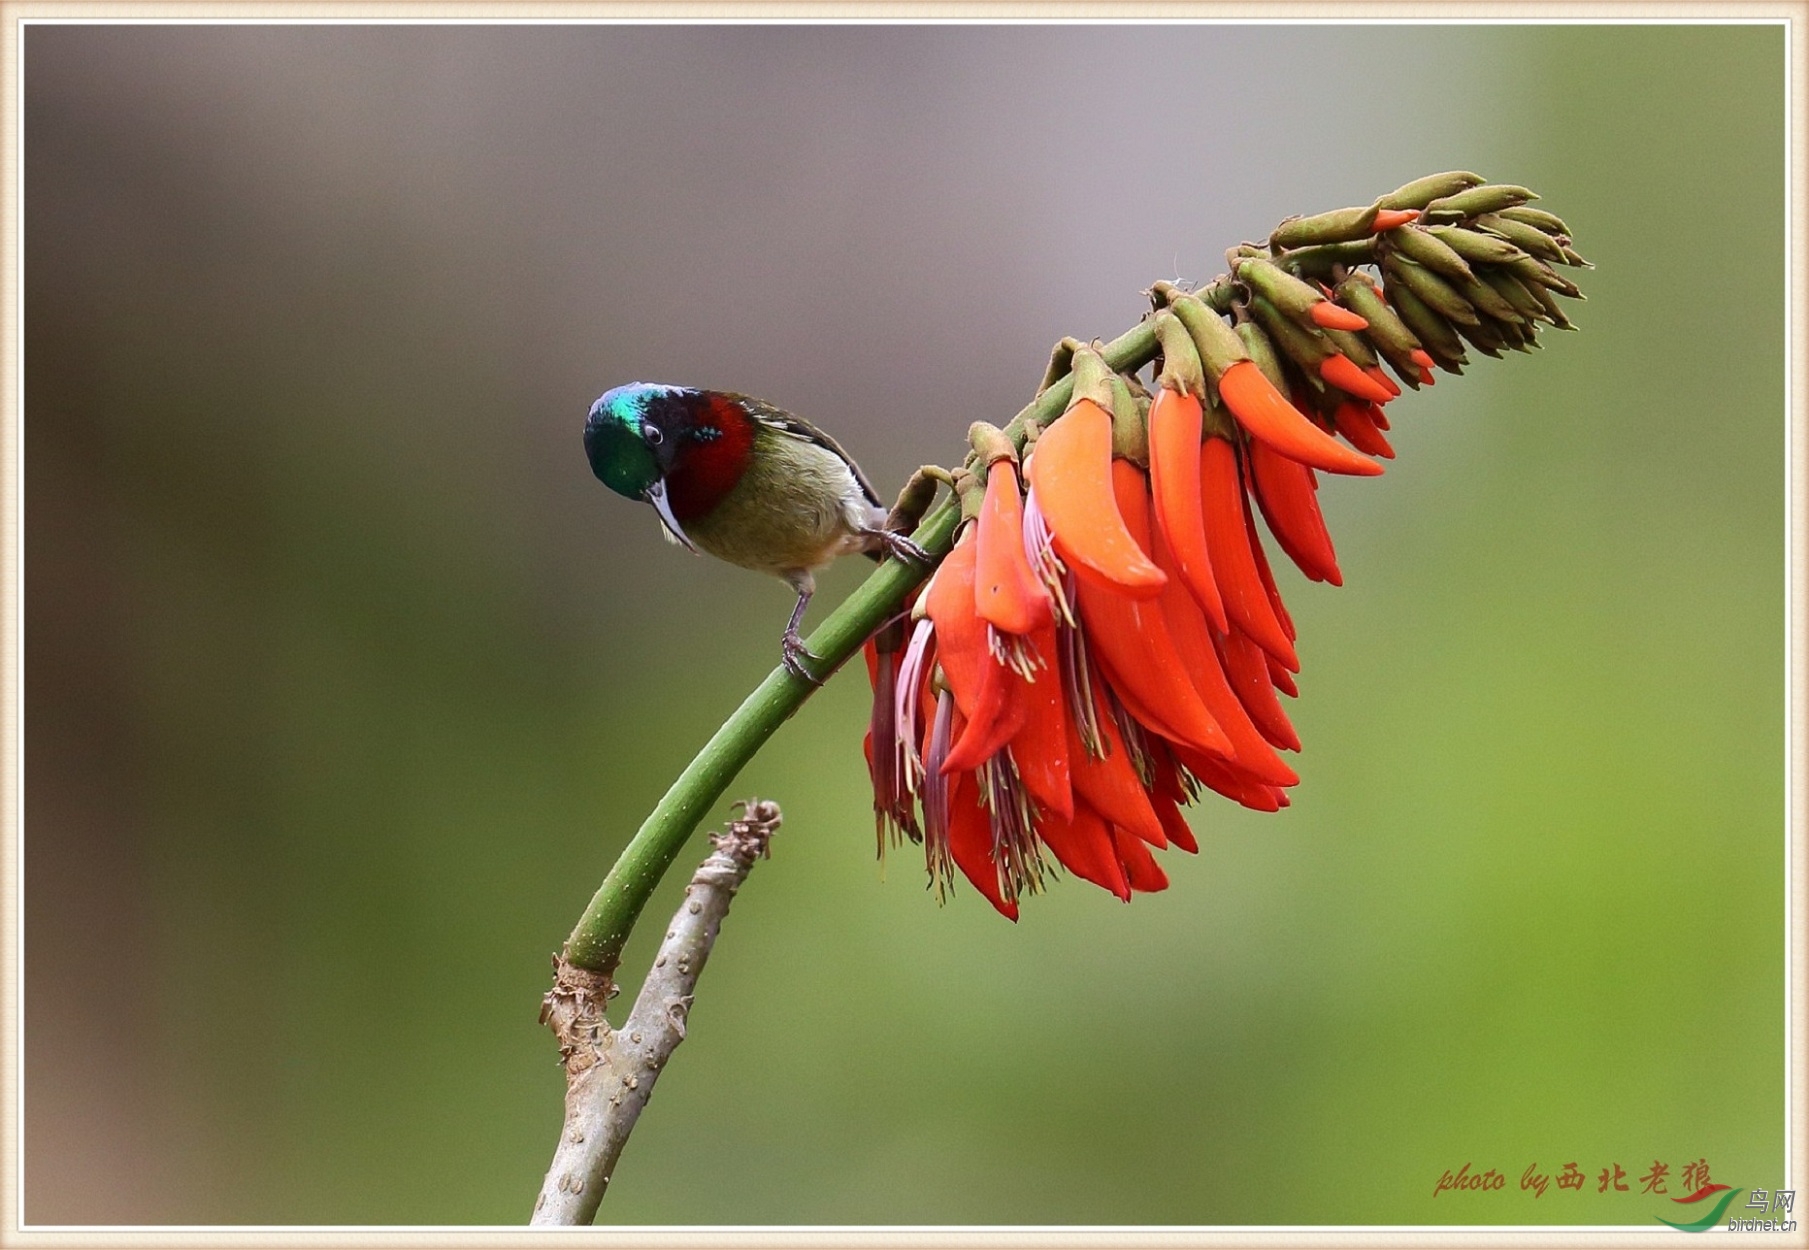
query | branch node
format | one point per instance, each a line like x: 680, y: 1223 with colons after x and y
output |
x: 574, y: 1009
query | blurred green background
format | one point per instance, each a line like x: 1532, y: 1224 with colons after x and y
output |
x: 345, y: 682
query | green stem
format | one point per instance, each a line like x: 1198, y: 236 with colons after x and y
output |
x: 597, y: 940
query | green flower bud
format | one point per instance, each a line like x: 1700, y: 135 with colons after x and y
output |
x: 1422, y: 191
x: 1218, y: 345
x: 1387, y: 333
x: 1508, y: 287
x: 1489, y: 199
x: 1426, y: 248
x: 1130, y: 423
x: 1353, y: 344
x: 1308, y: 350
x: 1487, y: 300
x: 1321, y: 259
x: 1530, y: 239
x: 1433, y: 290
x: 1521, y: 336
x: 1554, y: 312
x: 1478, y: 249
x: 1181, y: 369
x: 1281, y: 289
x: 1337, y: 226
x: 1262, y: 351
x: 1434, y: 333
x: 1484, y: 337
x: 1537, y: 218
x: 1061, y: 360
x: 1537, y: 271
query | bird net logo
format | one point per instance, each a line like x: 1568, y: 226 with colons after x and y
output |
x: 1699, y: 1203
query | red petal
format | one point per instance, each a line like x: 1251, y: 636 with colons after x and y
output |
x: 1176, y: 826
x: 1354, y: 421
x: 1281, y: 678
x: 1267, y: 415
x: 1109, y: 783
x: 1384, y: 381
x: 970, y: 843
x: 982, y: 687
x: 1335, y: 317
x: 1235, y: 784
x: 1194, y: 641
x: 1146, y: 876
x: 1040, y: 749
x: 1071, y: 471
x: 1246, y: 601
x: 1342, y: 372
x: 1249, y: 677
x: 1174, y: 470
x: 1130, y: 638
x: 1286, y: 494
x: 1083, y: 845
x: 1007, y: 594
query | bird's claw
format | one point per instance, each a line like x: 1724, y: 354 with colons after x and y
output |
x: 903, y: 549
x: 793, y: 654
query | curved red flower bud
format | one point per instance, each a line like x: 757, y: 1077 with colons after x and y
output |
x: 1250, y: 750
x: 1140, y: 867
x: 1342, y: 372
x: 1383, y: 380
x: 1174, y: 824
x: 1267, y: 415
x: 1355, y: 422
x: 1003, y: 711
x: 1249, y: 678
x: 1082, y: 844
x: 1393, y: 219
x: 1235, y: 784
x: 1109, y: 784
x: 1246, y: 600
x: 1281, y: 678
x: 1336, y: 317
x: 1267, y: 575
x: 1040, y: 748
x: 1424, y: 360
x: 970, y: 843
x: 1286, y: 493
x: 985, y: 691
x: 1071, y: 470
x: 1174, y: 470
x: 1007, y: 594
x: 1130, y: 639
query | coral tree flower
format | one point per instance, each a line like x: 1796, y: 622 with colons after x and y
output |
x: 1105, y: 639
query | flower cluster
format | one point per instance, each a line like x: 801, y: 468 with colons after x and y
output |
x: 1105, y: 638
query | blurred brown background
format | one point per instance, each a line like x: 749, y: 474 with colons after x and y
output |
x: 344, y: 681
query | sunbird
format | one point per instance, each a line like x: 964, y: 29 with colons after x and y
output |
x: 746, y: 482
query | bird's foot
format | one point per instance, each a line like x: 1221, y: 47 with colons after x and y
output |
x: 793, y: 655
x: 902, y: 549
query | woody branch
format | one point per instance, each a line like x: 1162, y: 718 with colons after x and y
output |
x: 610, y: 1073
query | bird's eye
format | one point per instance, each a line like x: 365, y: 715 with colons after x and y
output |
x: 653, y: 434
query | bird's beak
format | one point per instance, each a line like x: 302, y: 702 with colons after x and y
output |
x: 656, y: 495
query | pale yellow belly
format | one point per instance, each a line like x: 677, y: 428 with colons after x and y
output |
x: 795, y: 510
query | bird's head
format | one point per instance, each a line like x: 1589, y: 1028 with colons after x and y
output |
x: 674, y: 447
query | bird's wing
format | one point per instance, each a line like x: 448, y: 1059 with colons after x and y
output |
x: 797, y: 427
